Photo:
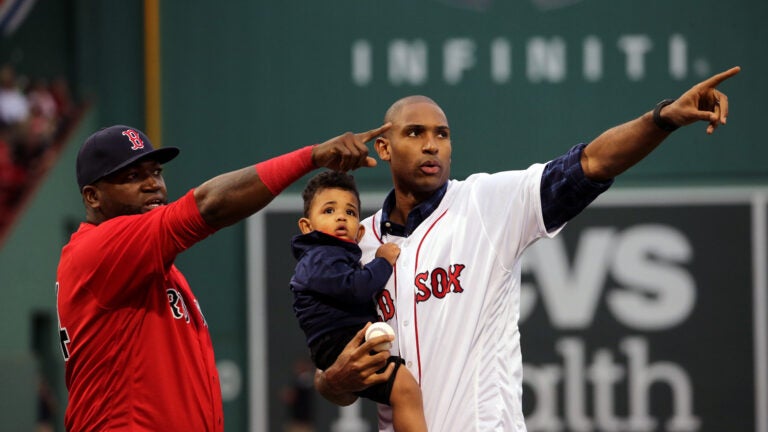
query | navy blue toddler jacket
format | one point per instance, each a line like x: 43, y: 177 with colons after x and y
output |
x: 331, y: 290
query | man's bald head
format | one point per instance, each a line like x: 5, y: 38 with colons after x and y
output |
x: 396, y: 107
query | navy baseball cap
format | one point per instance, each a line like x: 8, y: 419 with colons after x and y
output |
x: 113, y: 148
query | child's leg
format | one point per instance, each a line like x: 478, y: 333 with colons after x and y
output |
x: 407, y: 406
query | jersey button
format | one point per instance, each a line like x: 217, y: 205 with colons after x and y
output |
x: 409, y: 364
x: 405, y: 323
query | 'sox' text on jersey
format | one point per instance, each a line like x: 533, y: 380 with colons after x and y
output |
x: 436, y: 283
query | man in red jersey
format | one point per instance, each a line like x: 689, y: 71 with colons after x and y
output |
x: 137, y: 351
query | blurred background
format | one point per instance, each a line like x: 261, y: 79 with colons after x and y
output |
x: 648, y: 313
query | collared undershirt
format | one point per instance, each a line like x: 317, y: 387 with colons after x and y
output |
x: 565, y: 192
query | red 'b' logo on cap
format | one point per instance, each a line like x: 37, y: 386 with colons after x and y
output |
x: 135, y: 139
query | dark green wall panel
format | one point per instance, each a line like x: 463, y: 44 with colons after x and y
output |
x: 256, y: 79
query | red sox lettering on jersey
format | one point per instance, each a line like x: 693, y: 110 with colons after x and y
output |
x: 179, y: 308
x: 135, y: 139
x: 436, y: 283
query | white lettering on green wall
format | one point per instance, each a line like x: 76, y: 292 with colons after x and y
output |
x: 536, y: 59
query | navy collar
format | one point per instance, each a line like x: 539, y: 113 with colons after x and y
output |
x: 415, y: 217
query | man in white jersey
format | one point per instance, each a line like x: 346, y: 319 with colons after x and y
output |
x: 454, y: 296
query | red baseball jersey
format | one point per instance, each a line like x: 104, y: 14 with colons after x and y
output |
x: 138, y: 355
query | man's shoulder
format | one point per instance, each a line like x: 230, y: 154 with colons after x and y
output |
x: 509, y: 176
x: 121, y: 228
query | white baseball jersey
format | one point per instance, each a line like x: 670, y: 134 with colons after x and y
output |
x: 454, y: 300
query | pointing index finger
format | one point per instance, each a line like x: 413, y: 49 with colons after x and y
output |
x: 722, y: 76
x: 373, y: 133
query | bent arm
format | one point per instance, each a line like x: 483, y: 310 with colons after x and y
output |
x: 354, y: 369
x: 350, y: 284
x: 621, y: 147
x: 231, y: 197
x: 333, y: 395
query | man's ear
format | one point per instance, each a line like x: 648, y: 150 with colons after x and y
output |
x: 360, y: 233
x: 305, y: 226
x: 382, y: 148
x: 91, y: 196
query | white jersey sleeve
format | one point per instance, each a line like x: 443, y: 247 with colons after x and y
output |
x: 508, y: 204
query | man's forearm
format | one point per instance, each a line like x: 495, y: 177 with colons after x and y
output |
x: 321, y: 384
x: 621, y: 147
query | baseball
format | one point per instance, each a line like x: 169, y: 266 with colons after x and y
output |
x: 380, y: 329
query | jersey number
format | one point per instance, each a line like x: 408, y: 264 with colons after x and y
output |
x: 63, y: 334
x: 64, y: 341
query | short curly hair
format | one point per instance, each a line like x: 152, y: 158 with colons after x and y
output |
x: 328, y: 180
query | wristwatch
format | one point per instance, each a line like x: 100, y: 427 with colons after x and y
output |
x: 660, y: 122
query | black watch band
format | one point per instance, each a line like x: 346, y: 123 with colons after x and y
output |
x: 660, y: 122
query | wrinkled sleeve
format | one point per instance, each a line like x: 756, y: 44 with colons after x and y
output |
x: 335, y: 277
x: 565, y: 190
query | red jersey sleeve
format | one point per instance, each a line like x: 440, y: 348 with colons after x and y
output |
x: 132, y: 252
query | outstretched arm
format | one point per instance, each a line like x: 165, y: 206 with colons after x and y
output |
x: 231, y: 197
x: 621, y: 147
